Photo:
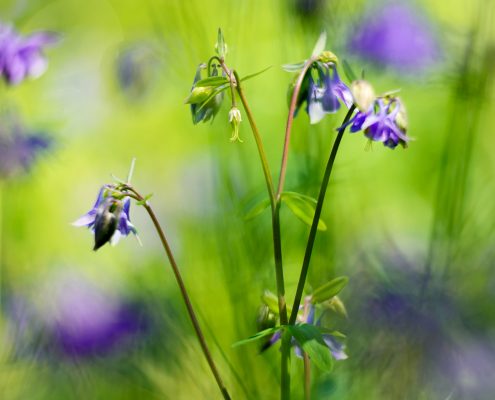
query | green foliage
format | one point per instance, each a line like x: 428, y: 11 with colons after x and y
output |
x: 330, y: 289
x: 303, y: 207
x: 311, y: 341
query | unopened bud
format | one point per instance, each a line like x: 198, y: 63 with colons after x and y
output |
x: 199, y: 94
x: 363, y: 93
x: 235, y: 120
x: 106, y: 221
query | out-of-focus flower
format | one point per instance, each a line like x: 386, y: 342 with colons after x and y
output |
x: 363, y: 94
x: 323, y: 93
x: 137, y: 69
x: 384, y: 122
x: 395, y: 35
x: 306, y: 315
x: 108, y: 219
x: 22, y: 57
x: 19, y: 149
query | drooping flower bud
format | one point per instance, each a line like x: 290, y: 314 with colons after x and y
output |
x: 235, y: 120
x: 106, y: 221
x: 363, y: 93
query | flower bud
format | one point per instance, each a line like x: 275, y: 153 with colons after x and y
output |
x: 235, y: 120
x: 328, y: 57
x: 266, y: 319
x: 363, y: 94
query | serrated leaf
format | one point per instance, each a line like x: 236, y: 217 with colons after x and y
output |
x: 257, y: 209
x: 213, y: 81
x: 257, y: 336
x: 303, y: 207
x: 295, y: 67
x: 349, y: 73
x: 255, y: 74
x: 329, y: 289
x: 311, y: 341
x: 320, y: 44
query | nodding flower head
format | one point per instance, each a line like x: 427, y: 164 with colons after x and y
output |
x: 204, y: 106
x: 323, y: 92
x: 22, y: 57
x: 108, y: 219
x: 385, y: 121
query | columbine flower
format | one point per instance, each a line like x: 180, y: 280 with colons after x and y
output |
x: 235, y: 120
x: 108, y: 219
x: 200, y: 110
x: 324, y: 93
x: 396, y: 35
x: 385, y: 122
x: 307, y: 316
x: 22, y: 57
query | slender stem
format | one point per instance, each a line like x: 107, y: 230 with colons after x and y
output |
x: 277, y: 244
x: 307, y: 377
x: 288, y: 127
x: 316, y: 218
x: 185, y: 295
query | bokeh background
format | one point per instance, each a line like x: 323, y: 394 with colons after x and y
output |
x: 413, y: 229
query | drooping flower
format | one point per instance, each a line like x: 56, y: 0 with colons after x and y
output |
x: 22, y: 57
x: 235, y: 120
x: 323, y: 93
x: 384, y: 122
x: 395, y: 35
x: 109, y: 218
x: 203, y: 106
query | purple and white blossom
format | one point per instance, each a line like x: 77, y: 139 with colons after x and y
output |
x: 324, y: 94
x: 109, y: 218
x: 384, y: 122
x: 22, y: 57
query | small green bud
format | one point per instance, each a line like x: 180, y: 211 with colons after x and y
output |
x: 363, y: 93
x: 266, y: 319
x: 336, y: 305
x: 328, y: 57
x: 199, y: 94
x: 220, y: 45
x: 235, y: 120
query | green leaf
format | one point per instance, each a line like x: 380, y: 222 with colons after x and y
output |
x: 320, y: 44
x: 303, y: 207
x: 257, y: 336
x: 257, y: 209
x: 296, y: 67
x: 349, y: 73
x: 255, y: 74
x: 330, y: 289
x: 213, y: 81
x: 311, y: 341
x: 145, y: 200
x: 216, y: 91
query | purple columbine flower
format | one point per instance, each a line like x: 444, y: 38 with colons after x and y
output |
x: 22, y: 57
x: 307, y: 316
x: 109, y: 218
x: 396, y: 35
x: 324, y: 94
x: 385, y: 122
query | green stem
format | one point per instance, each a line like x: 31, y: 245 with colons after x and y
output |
x: 316, y: 218
x: 288, y: 127
x: 277, y: 242
x: 185, y: 295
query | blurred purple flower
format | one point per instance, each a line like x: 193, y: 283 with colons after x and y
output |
x: 396, y: 35
x: 19, y: 149
x: 88, y: 322
x: 109, y: 218
x: 22, y: 57
x: 384, y: 122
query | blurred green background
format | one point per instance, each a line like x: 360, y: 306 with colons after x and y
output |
x: 413, y: 229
